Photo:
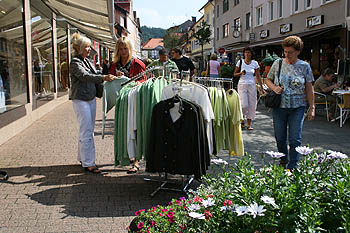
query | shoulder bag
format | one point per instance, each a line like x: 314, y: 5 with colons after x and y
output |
x: 273, y: 100
x: 235, y: 79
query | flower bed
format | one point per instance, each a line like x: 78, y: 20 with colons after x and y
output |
x: 315, y: 197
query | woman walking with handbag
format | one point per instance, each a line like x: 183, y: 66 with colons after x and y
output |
x: 83, y: 92
x: 213, y: 67
x: 246, y: 68
x: 295, y: 81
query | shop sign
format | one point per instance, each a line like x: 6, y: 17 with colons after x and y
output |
x: 221, y: 50
x: 252, y: 36
x: 264, y: 34
x: 284, y: 28
x: 313, y: 21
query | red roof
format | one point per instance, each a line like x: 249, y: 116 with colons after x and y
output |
x: 153, y: 43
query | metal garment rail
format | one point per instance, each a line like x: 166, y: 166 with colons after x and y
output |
x: 163, y: 181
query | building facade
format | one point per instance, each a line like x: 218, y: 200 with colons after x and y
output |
x: 263, y: 24
x: 35, y: 52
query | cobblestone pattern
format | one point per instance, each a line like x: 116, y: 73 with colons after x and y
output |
x: 49, y: 192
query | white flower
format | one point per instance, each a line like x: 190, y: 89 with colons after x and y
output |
x: 275, y: 155
x: 218, y: 161
x: 224, y: 208
x: 209, y: 202
x: 336, y: 155
x: 304, y: 150
x: 256, y: 210
x: 268, y: 200
x: 321, y: 157
x: 194, y: 207
x: 241, y: 210
x: 196, y: 215
x: 227, y: 208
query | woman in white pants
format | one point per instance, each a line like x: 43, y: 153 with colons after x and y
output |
x: 83, y: 91
x: 246, y: 85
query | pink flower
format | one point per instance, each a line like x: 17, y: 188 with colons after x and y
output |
x: 171, y: 220
x: 153, y: 223
x: 197, y: 199
x: 171, y: 214
x: 207, y: 214
x: 227, y: 202
x: 160, y: 214
x: 140, y: 225
x: 182, y: 227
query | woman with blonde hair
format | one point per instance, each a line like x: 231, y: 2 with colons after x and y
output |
x: 213, y: 67
x: 124, y: 63
x: 83, y: 95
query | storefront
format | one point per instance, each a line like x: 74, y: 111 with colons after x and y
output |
x: 35, y: 54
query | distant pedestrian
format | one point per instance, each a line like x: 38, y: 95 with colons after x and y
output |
x: 246, y: 68
x: 213, y: 67
x: 105, y: 66
x: 295, y: 86
x: 183, y: 63
x: 164, y: 62
x: 83, y: 91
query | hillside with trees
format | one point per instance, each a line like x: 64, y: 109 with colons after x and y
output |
x: 151, y: 32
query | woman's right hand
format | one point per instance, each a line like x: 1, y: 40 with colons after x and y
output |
x: 278, y: 89
x: 109, y: 77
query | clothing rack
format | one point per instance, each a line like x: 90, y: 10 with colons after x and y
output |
x: 140, y: 75
x: 208, y: 81
x: 163, y: 181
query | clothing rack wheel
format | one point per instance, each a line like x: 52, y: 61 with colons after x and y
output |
x: 4, y: 175
x: 163, y: 181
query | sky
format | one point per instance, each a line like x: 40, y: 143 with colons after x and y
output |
x: 166, y: 13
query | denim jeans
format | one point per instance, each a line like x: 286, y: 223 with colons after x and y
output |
x: 288, y: 121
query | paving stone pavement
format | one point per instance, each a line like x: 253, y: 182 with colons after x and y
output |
x: 49, y: 192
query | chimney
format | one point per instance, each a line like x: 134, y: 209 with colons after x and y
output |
x: 194, y: 19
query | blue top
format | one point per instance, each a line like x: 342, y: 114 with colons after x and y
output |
x: 293, y: 78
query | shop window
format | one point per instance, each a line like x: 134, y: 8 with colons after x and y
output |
x: 225, y: 6
x: 225, y: 30
x: 259, y: 16
x: 237, y: 24
x: 13, y: 76
x: 62, y: 64
x: 271, y: 16
x: 307, y: 4
x: 280, y: 9
x: 42, y: 58
x: 295, y: 6
x: 247, y: 21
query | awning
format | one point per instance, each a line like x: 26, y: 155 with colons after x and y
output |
x: 236, y: 46
x: 307, y: 34
x: 95, y: 19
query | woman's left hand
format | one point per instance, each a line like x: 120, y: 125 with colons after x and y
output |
x: 311, y: 113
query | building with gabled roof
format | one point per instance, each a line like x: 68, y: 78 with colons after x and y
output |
x: 151, y: 48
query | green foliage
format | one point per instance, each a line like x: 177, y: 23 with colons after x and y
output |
x: 151, y: 32
x: 172, y: 39
x: 203, y: 36
x: 315, y: 197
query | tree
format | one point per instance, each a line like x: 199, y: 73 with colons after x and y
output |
x: 172, y: 39
x: 203, y: 36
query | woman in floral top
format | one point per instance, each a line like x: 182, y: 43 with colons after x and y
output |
x: 294, y: 84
